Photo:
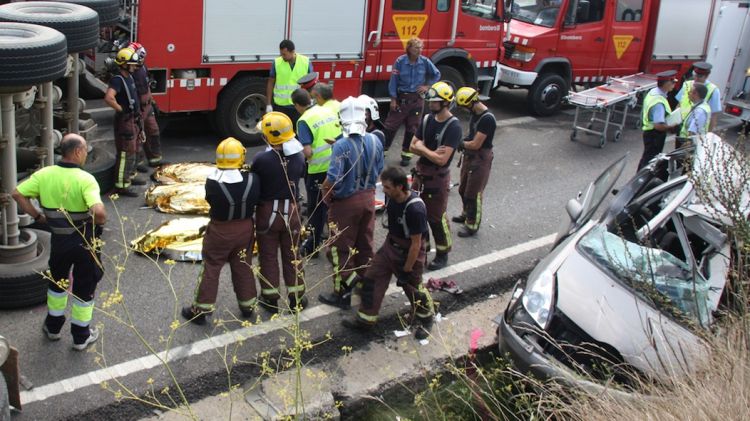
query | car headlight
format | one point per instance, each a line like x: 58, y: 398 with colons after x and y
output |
x: 538, y: 298
x: 521, y: 53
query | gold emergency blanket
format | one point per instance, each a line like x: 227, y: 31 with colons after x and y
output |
x: 179, y: 239
x: 180, y: 188
x: 185, y: 172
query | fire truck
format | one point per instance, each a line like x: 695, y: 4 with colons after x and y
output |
x: 551, y: 45
x: 215, y: 55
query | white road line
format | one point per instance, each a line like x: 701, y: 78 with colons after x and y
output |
x: 123, y: 369
x: 517, y: 120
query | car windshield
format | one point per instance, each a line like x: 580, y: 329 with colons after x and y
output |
x: 537, y: 12
x: 649, y: 269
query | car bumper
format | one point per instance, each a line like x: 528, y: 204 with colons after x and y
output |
x: 511, y: 76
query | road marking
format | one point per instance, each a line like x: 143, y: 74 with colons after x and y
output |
x: 517, y: 120
x: 147, y: 362
x: 99, y: 110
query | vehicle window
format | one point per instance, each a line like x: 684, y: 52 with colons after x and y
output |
x: 537, y: 12
x: 408, y: 5
x: 584, y: 11
x: 483, y: 8
x: 443, y: 5
x: 629, y: 10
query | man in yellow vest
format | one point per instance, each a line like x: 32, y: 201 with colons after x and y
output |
x: 317, y: 128
x: 322, y: 93
x: 701, y: 70
x: 655, y: 111
x: 287, y: 69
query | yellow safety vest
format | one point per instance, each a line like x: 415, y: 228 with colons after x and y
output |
x: 324, y: 125
x: 333, y: 105
x: 651, y: 99
x: 286, y: 78
x: 685, y: 124
x: 685, y: 104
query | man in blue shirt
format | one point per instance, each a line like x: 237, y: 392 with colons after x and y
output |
x: 412, y: 76
x: 356, y: 163
x: 701, y: 71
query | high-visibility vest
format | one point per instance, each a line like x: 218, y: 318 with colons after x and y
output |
x: 286, y: 78
x: 651, y: 99
x: 333, y: 105
x: 686, y: 123
x: 324, y: 125
x: 685, y: 104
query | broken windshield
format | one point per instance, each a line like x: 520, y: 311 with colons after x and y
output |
x: 537, y: 12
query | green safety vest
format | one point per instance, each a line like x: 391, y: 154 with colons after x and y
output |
x: 286, y: 78
x: 651, y: 99
x: 705, y: 107
x: 324, y: 125
x: 685, y: 104
x: 333, y: 105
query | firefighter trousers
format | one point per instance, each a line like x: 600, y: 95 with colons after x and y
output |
x: 227, y: 241
x: 409, y: 114
x: 278, y: 225
x: 434, y: 184
x: 351, y: 240
x: 389, y: 261
x: 126, y: 147
x: 152, y: 145
x: 66, y: 252
x: 475, y: 172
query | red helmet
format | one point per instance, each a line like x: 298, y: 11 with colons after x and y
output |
x: 140, y: 49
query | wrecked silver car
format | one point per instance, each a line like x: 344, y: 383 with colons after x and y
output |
x: 630, y: 292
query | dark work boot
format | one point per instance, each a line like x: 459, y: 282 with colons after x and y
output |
x: 270, y: 304
x: 422, y: 328
x: 440, y: 261
x: 459, y: 219
x: 141, y: 167
x: 342, y: 300
x: 247, y: 312
x: 295, y: 303
x: 127, y: 192
x: 194, y: 315
x: 466, y: 232
x: 355, y: 323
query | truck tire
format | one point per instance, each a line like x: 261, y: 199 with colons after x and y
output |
x: 21, y: 284
x: 452, y: 75
x: 546, y: 94
x: 240, y: 107
x: 101, y: 164
x: 108, y: 10
x: 79, y: 24
x: 30, y: 54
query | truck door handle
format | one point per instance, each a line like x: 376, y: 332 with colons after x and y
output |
x: 460, y: 34
x: 598, y: 39
x: 390, y: 34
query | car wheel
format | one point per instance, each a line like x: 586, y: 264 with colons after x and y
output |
x: 79, y: 24
x: 101, y: 164
x: 108, y: 10
x: 30, y: 55
x: 546, y: 94
x: 21, y: 284
x: 241, y: 106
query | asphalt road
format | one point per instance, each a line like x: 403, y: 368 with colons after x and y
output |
x: 536, y: 170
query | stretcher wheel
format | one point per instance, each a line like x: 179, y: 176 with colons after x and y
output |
x: 602, y: 141
x: 573, y: 136
x: 618, y: 136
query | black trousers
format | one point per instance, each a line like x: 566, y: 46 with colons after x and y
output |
x: 317, y: 210
x: 653, y: 144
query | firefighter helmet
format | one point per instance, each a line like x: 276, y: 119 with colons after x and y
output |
x: 230, y: 154
x: 440, y: 91
x: 276, y: 128
x: 466, y: 97
x: 125, y: 56
x: 371, y: 105
x: 353, y: 117
x: 139, y: 49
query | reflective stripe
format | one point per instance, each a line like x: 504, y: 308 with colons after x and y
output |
x: 336, y: 269
x: 228, y: 156
x: 651, y: 99
x: 429, y: 305
x: 478, y: 215
x: 249, y: 303
x: 448, y: 238
x: 367, y: 317
x: 323, y: 124
x: 72, y: 216
x: 121, y: 180
x: 206, y: 307
x: 287, y: 77
x: 82, y: 312
x: 56, y: 302
x: 295, y: 288
x: 269, y: 291
x: 326, y: 159
x: 322, y: 148
x: 62, y: 231
x: 349, y: 280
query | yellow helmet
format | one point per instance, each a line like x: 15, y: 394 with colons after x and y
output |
x: 230, y: 154
x: 276, y: 128
x: 126, y: 55
x: 440, y: 91
x: 466, y: 97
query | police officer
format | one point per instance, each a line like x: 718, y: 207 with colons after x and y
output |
x: 435, y: 141
x: 698, y: 118
x: 287, y: 69
x: 232, y: 192
x: 122, y: 95
x: 317, y: 129
x: 152, y: 145
x: 372, y: 115
x: 356, y: 162
x: 477, y: 160
x: 701, y: 71
x: 655, y: 111
x: 402, y: 254
x: 412, y: 75
x: 322, y: 93
x: 308, y: 81
x: 73, y: 209
x: 277, y: 220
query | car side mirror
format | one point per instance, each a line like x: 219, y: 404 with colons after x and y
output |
x: 574, y: 209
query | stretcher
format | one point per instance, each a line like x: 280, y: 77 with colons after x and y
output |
x: 613, y: 99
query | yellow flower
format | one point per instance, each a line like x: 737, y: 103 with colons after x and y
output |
x: 150, y: 381
x: 175, y: 324
x: 169, y: 262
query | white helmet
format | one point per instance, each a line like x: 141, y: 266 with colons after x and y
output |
x: 371, y: 105
x: 352, y: 115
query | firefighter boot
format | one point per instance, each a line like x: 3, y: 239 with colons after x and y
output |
x: 423, y: 327
x: 297, y: 304
x: 440, y: 261
x: 460, y: 219
x: 247, y: 312
x: 342, y: 300
x: 356, y: 323
x: 193, y: 315
x: 270, y: 304
x: 466, y: 232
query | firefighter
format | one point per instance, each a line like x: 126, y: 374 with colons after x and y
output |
x: 435, y: 141
x: 356, y: 162
x: 402, y: 254
x: 286, y: 70
x: 322, y: 93
x: 122, y: 95
x: 655, y: 111
x: 152, y: 145
x: 701, y: 71
x: 73, y: 210
x: 317, y: 129
x: 698, y: 118
x: 277, y: 220
x: 411, y: 77
x: 232, y: 193
x: 477, y: 160
x: 374, y: 125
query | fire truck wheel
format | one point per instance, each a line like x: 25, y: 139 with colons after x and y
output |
x: 30, y: 54
x: 452, y: 75
x: 546, y: 94
x: 79, y: 24
x: 101, y: 164
x: 21, y: 284
x: 240, y: 107
x: 108, y: 10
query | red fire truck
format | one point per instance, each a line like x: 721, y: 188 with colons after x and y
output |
x: 215, y: 55
x: 550, y: 45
